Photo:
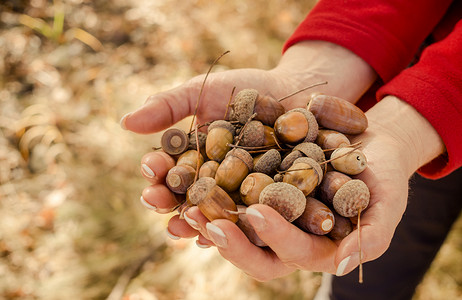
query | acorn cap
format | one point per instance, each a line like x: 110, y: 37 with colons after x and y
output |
x: 285, y: 198
x: 242, y: 155
x: 268, y: 162
x: 202, y: 137
x: 289, y: 159
x: 278, y: 177
x: 351, y: 196
x: 312, y: 124
x: 254, y: 134
x: 223, y: 124
x: 311, y: 150
x: 317, y: 168
x: 244, y: 104
x: 200, y: 189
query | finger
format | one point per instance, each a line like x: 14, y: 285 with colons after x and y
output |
x: 155, y: 166
x: 160, y: 199
x: 194, y: 217
x: 204, y: 243
x: 179, y: 228
x: 160, y: 111
x: 306, y: 251
x: 260, y: 263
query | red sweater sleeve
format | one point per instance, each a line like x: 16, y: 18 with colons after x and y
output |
x: 434, y: 87
x: 386, y: 34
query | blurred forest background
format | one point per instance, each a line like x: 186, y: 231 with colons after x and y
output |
x: 71, y: 223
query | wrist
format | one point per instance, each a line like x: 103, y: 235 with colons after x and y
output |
x: 417, y: 141
x: 307, y: 62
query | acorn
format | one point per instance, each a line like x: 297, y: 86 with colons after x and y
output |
x: 249, y: 101
x: 342, y: 227
x: 285, y: 198
x: 317, y: 218
x: 220, y: 134
x: 267, y: 162
x: 305, y: 174
x: 256, y: 134
x: 289, y: 159
x: 296, y: 126
x: 190, y: 158
x: 247, y: 228
x: 351, y: 197
x: 202, y: 137
x: 331, y: 139
x: 208, y: 169
x: 331, y: 183
x: 212, y: 200
x: 348, y: 160
x: 233, y: 169
x: 174, y: 141
x: 179, y: 178
x: 338, y: 114
x: 252, y: 186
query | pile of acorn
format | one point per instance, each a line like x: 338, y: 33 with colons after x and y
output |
x: 298, y: 162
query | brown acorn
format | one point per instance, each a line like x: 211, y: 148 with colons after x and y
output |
x: 252, y: 186
x: 305, y: 174
x: 212, y: 200
x: 179, y: 178
x: 342, y: 227
x: 285, y: 198
x: 289, y: 159
x: 220, y: 134
x: 317, y: 218
x: 190, y: 158
x: 233, y: 169
x: 256, y: 134
x: 338, y: 114
x: 174, y: 141
x: 296, y: 126
x: 267, y: 162
x: 348, y: 160
x: 209, y: 169
x: 331, y: 139
x: 351, y: 197
x: 249, y: 101
x: 330, y: 184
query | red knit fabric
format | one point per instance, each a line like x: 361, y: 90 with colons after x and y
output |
x: 387, y: 35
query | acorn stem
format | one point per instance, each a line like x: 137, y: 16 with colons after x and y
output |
x: 301, y: 90
x: 352, y: 145
x: 202, y: 88
x: 198, y: 153
x: 300, y: 169
x: 359, y: 246
x: 356, y: 147
x: 229, y: 103
x: 276, y: 140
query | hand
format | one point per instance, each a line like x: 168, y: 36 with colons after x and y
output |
x: 306, y: 63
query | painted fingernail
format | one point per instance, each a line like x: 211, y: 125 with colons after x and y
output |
x: 217, y: 235
x: 147, y: 171
x: 202, y: 245
x: 191, y: 222
x: 147, y: 204
x: 257, y: 219
x: 171, y: 235
x: 123, y: 119
x: 348, y: 264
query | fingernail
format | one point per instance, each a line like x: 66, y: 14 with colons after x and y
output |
x: 122, y: 121
x: 202, y: 245
x: 348, y: 264
x: 217, y: 235
x: 147, y: 204
x: 171, y: 235
x: 191, y: 222
x: 257, y: 219
x: 147, y: 171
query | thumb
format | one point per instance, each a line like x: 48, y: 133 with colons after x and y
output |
x: 160, y: 111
